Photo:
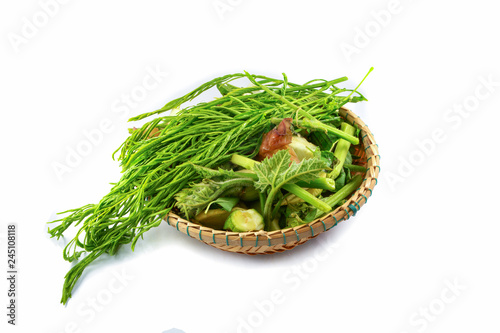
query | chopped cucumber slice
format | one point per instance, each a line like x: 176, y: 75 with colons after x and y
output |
x: 244, y: 220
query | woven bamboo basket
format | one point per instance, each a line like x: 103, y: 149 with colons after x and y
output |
x: 262, y: 242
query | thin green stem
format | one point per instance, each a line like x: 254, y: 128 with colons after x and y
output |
x: 243, y: 161
x: 317, y: 125
x: 321, y: 182
x: 369, y: 71
x: 355, y: 168
x: 307, y: 197
x: 341, y: 150
x: 341, y: 194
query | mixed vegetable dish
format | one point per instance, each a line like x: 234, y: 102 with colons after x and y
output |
x: 266, y: 155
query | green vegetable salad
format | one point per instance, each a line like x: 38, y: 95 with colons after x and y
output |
x: 266, y: 156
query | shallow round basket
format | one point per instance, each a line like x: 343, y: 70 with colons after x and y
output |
x: 262, y: 242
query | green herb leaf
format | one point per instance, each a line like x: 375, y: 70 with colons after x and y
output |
x: 348, y: 158
x: 296, y: 212
x: 279, y: 169
x: 192, y: 200
x: 341, y: 179
x: 213, y: 173
x: 328, y: 157
x: 227, y: 203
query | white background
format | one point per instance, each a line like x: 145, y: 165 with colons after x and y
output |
x: 426, y: 242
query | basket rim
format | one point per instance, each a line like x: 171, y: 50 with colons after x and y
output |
x: 261, y: 241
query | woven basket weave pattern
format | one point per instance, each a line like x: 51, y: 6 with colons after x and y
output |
x: 263, y: 242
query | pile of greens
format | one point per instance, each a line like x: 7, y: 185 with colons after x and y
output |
x: 201, y: 157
